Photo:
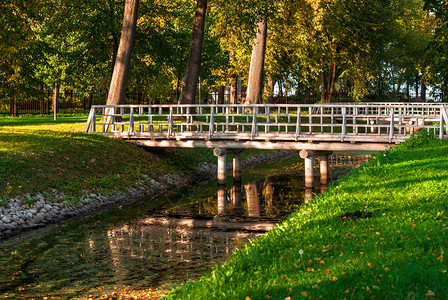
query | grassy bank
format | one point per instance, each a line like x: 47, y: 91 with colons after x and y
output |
x: 380, y: 232
x: 40, y: 155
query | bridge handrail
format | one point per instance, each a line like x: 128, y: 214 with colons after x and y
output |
x: 346, y: 122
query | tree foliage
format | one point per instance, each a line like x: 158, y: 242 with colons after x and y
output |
x: 371, y: 47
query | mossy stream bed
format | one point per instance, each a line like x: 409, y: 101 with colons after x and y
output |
x: 120, y: 249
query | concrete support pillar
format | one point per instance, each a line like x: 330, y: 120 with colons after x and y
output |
x: 236, y: 199
x: 308, y: 195
x: 237, y: 166
x: 308, y: 156
x: 221, y: 200
x: 323, y: 163
x: 221, y: 154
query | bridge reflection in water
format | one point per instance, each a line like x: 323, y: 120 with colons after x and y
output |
x: 205, y: 232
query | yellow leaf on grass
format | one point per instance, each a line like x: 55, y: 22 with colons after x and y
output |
x: 440, y: 258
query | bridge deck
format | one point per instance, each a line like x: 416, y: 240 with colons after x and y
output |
x: 372, y: 126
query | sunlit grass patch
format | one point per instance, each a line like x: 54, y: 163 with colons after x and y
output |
x: 396, y: 250
x: 40, y: 155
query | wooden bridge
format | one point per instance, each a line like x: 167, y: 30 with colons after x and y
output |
x: 371, y: 126
x: 314, y: 129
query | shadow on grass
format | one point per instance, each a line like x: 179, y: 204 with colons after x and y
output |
x: 41, y: 120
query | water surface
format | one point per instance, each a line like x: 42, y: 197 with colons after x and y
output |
x: 143, y: 245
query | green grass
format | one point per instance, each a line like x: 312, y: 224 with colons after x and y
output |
x: 39, y: 155
x: 397, y: 249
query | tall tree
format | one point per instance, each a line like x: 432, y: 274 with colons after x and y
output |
x: 117, y: 90
x: 437, y: 64
x: 255, y: 81
x: 191, y: 78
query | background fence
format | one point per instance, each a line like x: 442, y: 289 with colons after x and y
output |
x: 67, y: 102
x: 76, y: 102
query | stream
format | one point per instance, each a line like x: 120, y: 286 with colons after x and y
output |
x: 155, y: 243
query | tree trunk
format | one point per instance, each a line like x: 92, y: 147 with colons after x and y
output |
x: 199, y: 90
x: 255, y: 81
x: 407, y: 92
x: 234, y: 89
x: 89, y: 104
x: 269, y: 196
x: 233, y: 82
x: 55, y: 100
x: 423, y: 92
x: 307, y: 95
x: 13, y: 109
x: 177, y: 87
x: 253, y: 202
x: 331, y: 80
x: 117, y: 90
x: 322, y: 89
x: 191, y: 78
x: 400, y: 79
x: 270, y: 91
x: 416, y: 87
x: 221, y: 91
x: 42, y: 100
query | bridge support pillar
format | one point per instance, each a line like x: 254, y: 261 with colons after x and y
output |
x: 308, y: 195
x: 237, y: 170
x: 221, y: 200
x: 221, y: 154
x: 323, y: 164
x: 236, y: 198
x: 308, y: 156
x: 221, y: 176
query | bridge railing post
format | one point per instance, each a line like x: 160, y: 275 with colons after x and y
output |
x: 131, y: 120
x: 344, y: 123
x: 90, y: 125
x: 212, y: 123
x: 391, y: 126
x: 94, y: 120
x: 443, y: 120
x: 268, y: 119
x: 254, y: 124
x: 170, y: 123
x: 298, y: 123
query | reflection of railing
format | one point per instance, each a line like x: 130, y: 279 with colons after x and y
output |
x: 372, y: 122
x: 348, y: 160
x: 175, y: 243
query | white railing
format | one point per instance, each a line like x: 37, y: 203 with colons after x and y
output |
x: 348, y: 122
